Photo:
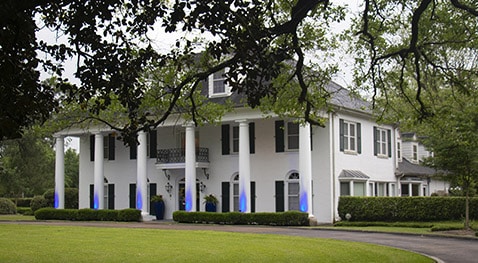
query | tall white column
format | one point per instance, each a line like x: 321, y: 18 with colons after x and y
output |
x: 60, y: 173
x: 244, y: 168
x: 305, y: 169
x: 190, y: 159
x: 141, y: 174
x: 99, y: 192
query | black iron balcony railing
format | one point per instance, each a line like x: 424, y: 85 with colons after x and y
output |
x: 177, y: 155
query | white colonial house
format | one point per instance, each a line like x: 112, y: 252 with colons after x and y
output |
x: 250, y: 162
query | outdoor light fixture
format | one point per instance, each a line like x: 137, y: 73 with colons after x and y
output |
x: 168, y: 187
x: 202, y: 187
x: 166, y: 174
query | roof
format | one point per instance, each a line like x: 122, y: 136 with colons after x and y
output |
x: 343, y: 97
x: 355, y: 174
x: 407, y: 168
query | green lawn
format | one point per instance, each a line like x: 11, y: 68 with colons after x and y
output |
x: 28, y: 243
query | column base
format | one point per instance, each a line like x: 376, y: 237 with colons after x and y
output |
x: 312, y: 220
x: 145, y: 217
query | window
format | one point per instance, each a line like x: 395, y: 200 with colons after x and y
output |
x: 217, y: 84
x: 292, y: 136
x: 235, y: 193
x: 344, y: 188
x: 235, y: 139
x: 350, y: 136
x: 415, y: 153
x: 399, y: 151
x: 359, y: 189
x: 382, y: 142
x: 293, y: 192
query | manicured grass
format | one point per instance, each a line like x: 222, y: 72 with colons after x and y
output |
x: 17, y: 217
x: 29, y: 243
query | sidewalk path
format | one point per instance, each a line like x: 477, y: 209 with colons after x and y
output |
x: 443, y: 249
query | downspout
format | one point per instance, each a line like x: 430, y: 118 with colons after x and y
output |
x: 332, y: 165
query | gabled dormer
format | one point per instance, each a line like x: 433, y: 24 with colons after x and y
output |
x: 217, y: 85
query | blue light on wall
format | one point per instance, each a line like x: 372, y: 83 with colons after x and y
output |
x: 189, y: 201
x: 57, y: 200
x: 96, y: 202
x: 139, y: 200
x: 243, y: 202
x: 303, y: 202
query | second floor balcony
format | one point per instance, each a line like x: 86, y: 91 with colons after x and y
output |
x: 177, y: 156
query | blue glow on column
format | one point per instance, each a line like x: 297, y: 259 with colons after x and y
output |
x: 303, y: 202
x: 189, y: 201
x: 139, y: 200
x: 243, y: 202
x: 96, y: 202
x: 57, y: 200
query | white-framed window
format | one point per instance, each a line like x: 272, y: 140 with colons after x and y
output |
x: 235, y: 139
x: 235, y: 193
x: 382, y: 142
x: 415, y: 152
x: 293, y: 191
x: 292, y: 136
x: 350, y: 136
x: 352, y: 188
x: 217, y: 84
x: 399, y: 151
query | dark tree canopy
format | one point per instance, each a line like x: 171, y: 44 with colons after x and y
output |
x: 258, y: 41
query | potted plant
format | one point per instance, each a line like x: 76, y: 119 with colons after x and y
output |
x: 211, y: 202
x: 158, y: 204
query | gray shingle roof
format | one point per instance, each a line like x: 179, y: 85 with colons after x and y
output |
x: 407, y: 168
x: 353, y: 174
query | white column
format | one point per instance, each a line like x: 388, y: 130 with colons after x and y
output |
x: 141, y: 174
x: 305, y: 169
x: 98, y: 195
x: 244, y: 168
x: 190, y: 159
x: 60, y: 173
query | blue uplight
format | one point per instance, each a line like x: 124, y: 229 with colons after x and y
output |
x: 96, y: 202
x: 57, y: 200
x: 139, y: 200
x: 303, y: 202
x: 189, y: 201
x: 243, y: 202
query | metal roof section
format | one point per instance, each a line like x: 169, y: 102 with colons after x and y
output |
x: 353, y: 174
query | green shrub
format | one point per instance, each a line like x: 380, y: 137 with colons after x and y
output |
x: 24, y: 211
x: 87, y: 214
x: 291, y: 218
x: 129, y: 215
x: 7, y: 206
x: 38, y: 202
x: 402, y: 209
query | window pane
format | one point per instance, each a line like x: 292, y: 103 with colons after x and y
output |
x: 344, y: 188
x: 293, y: 188
x: 359, y: 189
x: 219, y: 86
x: 294, y: 203
x: 352, y: 143
x: 293, y: 142
x: 293, y: 128
x: 352, y: 130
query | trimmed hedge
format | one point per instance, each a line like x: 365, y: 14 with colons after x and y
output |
x: 38, y: 202
x: 71, y: 198
x: 27, y: 211
x: 7, y: 206
x: 87, y: 214
x: 402, y: 209
x: 290, y: 218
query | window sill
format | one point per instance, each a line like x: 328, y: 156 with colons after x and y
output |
x: 350, y: 152
x: 220, y: 95
x: 382, y: 156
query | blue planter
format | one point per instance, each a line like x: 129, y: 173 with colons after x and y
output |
x: 159, y: 207
x: 210, y: 207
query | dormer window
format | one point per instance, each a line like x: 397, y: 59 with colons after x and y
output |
x: 217, y: 84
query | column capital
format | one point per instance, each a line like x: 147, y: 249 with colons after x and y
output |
x: 242, y: 121
x: 189, y: 124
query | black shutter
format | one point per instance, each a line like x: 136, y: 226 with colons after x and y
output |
x: 92, y: 147
x: 225, y: 139
x: 133, y: 149
x: 359, y: 138
x: 279, y: 132
x: 152, y: 192
x: 111, y: 147
x: 341, y: 134
x: 111, y: 196
x: 375, y: 141
x: 92, y: 195
x: 389, y: 138
x: 252, y: 138
x: 279, y: 196
x: 253, y: 197
x: 132, y: 195
x: 153, y: 142
x: 225, y: 197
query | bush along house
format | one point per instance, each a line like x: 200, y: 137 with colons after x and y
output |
x: 250, y: 162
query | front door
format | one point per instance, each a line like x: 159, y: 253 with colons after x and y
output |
x: 182, y: 195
